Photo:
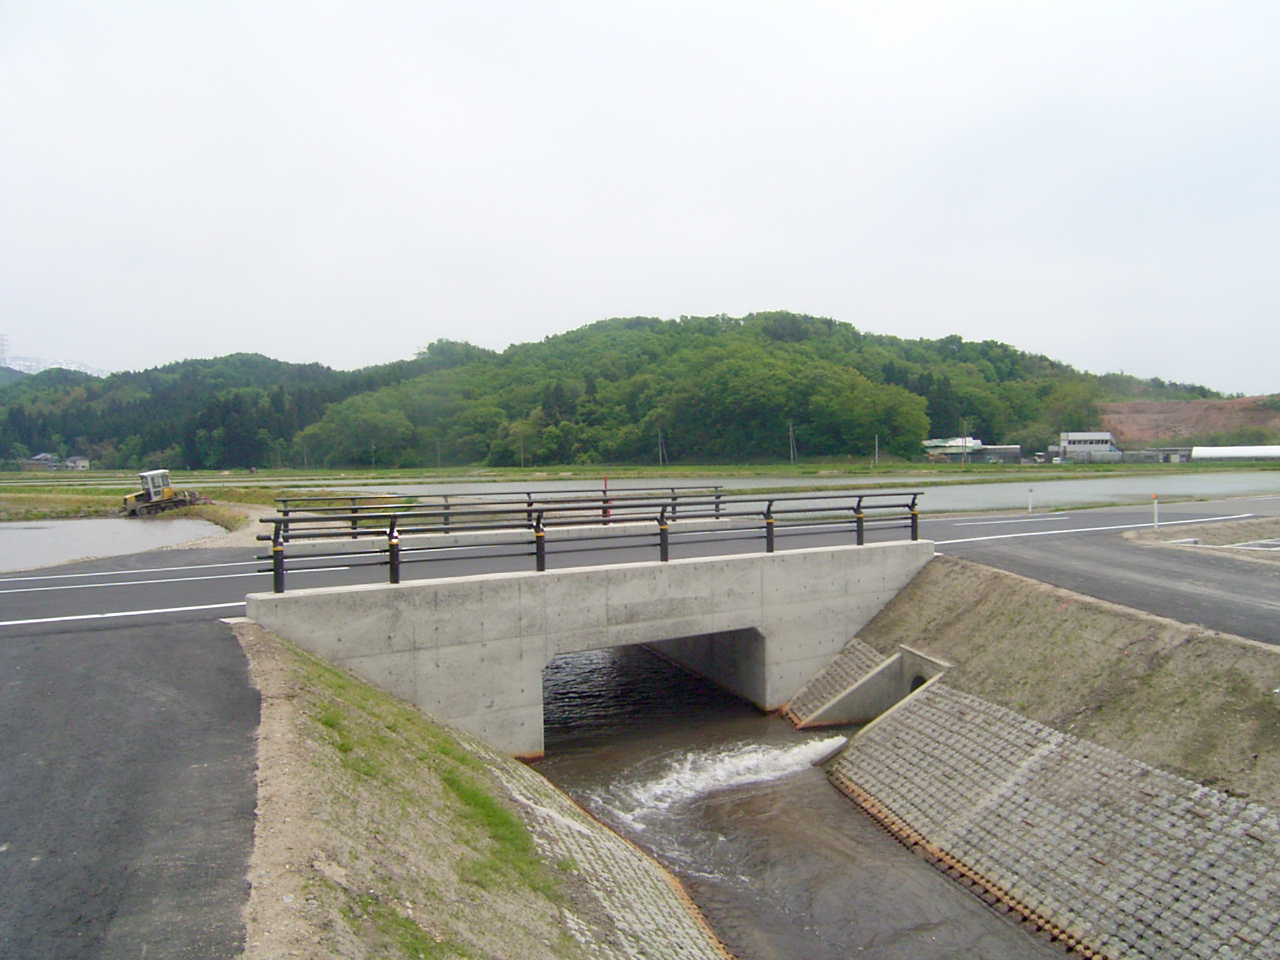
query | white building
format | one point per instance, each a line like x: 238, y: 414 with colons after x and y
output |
x: 1085, y: 447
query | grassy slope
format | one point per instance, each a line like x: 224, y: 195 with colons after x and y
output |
x: 381, y: 834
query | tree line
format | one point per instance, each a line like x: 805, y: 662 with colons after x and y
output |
x: 709, y: 389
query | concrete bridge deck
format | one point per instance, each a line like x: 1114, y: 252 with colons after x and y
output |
x: 471, y: 650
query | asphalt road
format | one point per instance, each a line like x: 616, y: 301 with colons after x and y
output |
x: 1086, y: 551
x: 127, y: 718
x: 127, y: 793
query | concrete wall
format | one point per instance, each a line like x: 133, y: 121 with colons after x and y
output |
x: 869, y: 696
x: 471, y: 650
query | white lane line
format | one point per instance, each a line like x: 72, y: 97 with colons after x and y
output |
x: 121, y: 613
x: 143, y: 583
x: 983, y: 523
x: 1058, y: 533
x: 131, y: 583
x: 116, y: 573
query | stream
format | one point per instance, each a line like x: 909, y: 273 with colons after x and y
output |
x: 782, y: 865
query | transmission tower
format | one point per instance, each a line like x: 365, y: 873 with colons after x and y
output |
x: 4, y: 349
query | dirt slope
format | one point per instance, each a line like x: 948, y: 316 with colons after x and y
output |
x: 1166, y: 423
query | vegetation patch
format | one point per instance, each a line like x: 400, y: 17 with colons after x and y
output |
x: 407, y: 844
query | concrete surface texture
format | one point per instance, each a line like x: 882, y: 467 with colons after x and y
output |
x: 1115, y: 856
x: 471, y: 650
x: 860, y: 684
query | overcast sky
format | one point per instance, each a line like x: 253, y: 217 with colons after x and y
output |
x: 346, y: 182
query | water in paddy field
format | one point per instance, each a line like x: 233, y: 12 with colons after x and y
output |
x: 782, y: 865
x: 27, y: 544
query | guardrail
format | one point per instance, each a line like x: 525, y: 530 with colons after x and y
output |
x: 591, y: 524
x: 448, y: 503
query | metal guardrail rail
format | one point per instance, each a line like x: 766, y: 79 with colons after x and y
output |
x: 355, y: 503
x: 520, y: 528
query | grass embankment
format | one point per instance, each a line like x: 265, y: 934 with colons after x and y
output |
x: 381, y: 834
x: 1191, y: 701
x: 404, y: 847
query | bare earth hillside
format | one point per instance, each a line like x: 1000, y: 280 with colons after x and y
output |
x: 1166, y: 423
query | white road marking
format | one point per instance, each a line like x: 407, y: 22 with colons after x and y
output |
x: 119, y: 613
x: 131, y: 583
x: 143, y: 583
x: 115, y: 573
x: 980, y: 523
x: 1058, y: 533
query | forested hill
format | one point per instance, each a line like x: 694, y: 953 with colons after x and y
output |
x: 707, y: 388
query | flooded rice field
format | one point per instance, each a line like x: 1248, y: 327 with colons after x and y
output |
x: 25, y: 545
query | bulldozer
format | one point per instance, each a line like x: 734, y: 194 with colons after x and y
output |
x: 157, y: 494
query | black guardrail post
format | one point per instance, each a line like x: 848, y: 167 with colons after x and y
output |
x: 768, y: 528
x: 664, y: 539
x: 540, y: 544
x: 915, y: 521
x: 862, y: 522
x: 718, y: 496
x: 528, y: 512
x: 277, y: 560
x: 355, y: 508
x: 393, y: 550
x: 446, y: 510
x: 284, y: 512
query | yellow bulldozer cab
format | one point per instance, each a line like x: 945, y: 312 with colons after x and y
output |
x: 155, y: 485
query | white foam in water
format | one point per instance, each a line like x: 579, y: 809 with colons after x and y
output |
x: 696, y: 774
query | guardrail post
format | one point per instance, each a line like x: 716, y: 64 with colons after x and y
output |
x: 664, y: 540
x: 915, y: 521
x: 355, y: 508
x: 862, y: 526
x: 393, y: 551
x: 540, y: 544
x: 718, y: 496
x: 284, y: 512
x: 528, y: 513
x: 768, y: 528
x: 446, y: 511
x: 277, y: 561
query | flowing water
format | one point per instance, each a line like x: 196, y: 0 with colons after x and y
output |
x: 728, y: 799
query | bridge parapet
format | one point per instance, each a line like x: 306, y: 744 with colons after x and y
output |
x: 471, y: 650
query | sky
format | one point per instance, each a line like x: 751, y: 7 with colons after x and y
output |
x: 342, y: 182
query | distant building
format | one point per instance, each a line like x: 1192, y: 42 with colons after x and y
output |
x: 1002, y: 453
x: 51, y: 461
x: 1236, y: 453
x: 42, y: 461
x: 954, y: 449
x: 1088, y: 448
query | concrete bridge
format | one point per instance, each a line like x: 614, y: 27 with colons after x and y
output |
x: 471, y: 650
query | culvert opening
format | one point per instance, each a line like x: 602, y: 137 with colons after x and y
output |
x: 917, y: 682
x: 602, y: 694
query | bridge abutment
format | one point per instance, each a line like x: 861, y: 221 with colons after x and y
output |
x: 471, y: 650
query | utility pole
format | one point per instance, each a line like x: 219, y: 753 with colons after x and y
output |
x: 791, y: 439
x: 662, y: 450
